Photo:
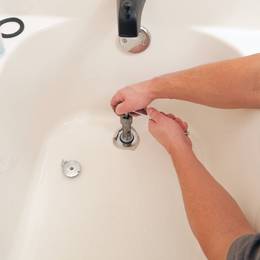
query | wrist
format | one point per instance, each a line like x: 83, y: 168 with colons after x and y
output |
x: 180, y: 149
x: 154, y: 88
x: 168, y: 86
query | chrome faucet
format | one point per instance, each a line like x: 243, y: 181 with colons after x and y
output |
x: 129, y: 17
x: 133, y: 37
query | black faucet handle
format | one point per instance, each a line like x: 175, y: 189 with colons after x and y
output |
x: 129, y: 17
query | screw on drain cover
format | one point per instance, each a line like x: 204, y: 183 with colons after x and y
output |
x: 71, y: 169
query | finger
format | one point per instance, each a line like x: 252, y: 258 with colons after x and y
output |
x: 181, y: 124
x: 186, y: 125
x: 163, y: 113
x: 171, y: 116
x: 123, y: 108
x: 151, y: 125
x: 178, y: 120
x: 117, y: 99
x: 154, y: 114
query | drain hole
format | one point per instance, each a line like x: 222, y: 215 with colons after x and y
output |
x: 71, y: 168
x: 127, y: 142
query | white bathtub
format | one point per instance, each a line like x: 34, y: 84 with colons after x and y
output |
x: 56, y: 82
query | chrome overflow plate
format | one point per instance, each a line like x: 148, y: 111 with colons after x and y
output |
x: 138, y: 44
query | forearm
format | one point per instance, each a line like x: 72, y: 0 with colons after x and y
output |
x: 227, y: 84
x: 214, y: 216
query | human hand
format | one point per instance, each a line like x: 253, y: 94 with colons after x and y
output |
x: 132, y: 98
x: 170, y: 131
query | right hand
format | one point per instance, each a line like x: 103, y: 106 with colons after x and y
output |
x: 132, y: 98
x: 169, y: 131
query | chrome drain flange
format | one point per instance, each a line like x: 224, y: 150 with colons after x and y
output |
x: 71, y: 169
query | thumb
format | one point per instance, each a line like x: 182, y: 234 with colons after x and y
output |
x: 154, y: 114
x: 123, y: 108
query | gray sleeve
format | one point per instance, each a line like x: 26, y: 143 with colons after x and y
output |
x: 245, y: 248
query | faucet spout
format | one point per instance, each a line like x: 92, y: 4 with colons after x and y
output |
x: 129, y: 17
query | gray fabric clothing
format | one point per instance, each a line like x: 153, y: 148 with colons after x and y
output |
x: 245, y: 248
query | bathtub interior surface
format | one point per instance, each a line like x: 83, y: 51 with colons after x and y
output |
x: 55, y: 89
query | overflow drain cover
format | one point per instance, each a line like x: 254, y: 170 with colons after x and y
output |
x: 71, y: 169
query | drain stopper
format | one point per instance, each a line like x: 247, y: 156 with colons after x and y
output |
x: 126, y: 135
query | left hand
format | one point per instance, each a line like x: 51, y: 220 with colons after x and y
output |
x: 132, y: 98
